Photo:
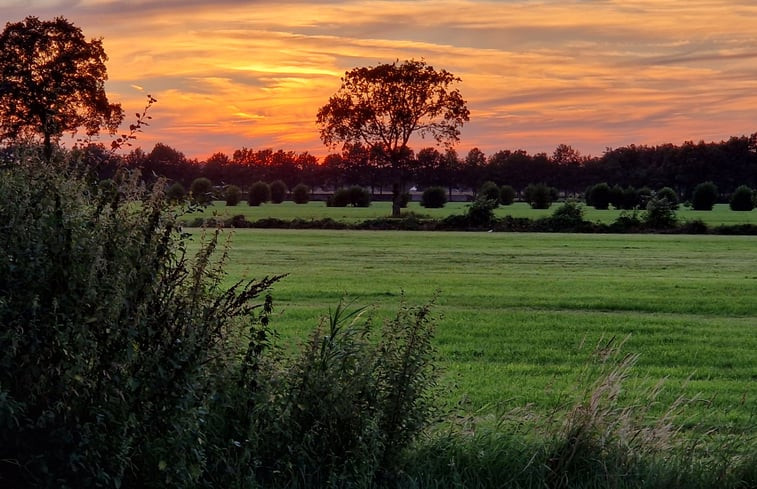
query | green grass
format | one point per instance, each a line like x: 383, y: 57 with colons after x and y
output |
x: 521, y: 312
x: 720, y: 215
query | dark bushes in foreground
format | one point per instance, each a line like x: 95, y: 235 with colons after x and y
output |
x: 125, y: 363
x: 568, y: 218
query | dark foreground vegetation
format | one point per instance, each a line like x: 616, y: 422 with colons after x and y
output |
x: 126, y: 364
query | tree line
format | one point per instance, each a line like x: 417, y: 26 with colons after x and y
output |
x: 728, y: 164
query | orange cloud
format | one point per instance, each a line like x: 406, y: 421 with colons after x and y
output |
x: 588, y: 73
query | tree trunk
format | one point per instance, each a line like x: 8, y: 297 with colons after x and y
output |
x: 396, y: 197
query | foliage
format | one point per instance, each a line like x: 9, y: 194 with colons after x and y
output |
x: 347, y: 405
x: 540, y: 196
x: 233, y: 195
x: 278, y: 191
x: 354, y: 196
x: 490, y: 191
x: 383, y: 106
x: 176, y: 192
x: 434, y: 197
x: 567, y: 217
x: 742, y: 199
x: 301, y: 194
x: 704, y: 197
x: 260, y: 193
x: 201, y: 191
x: 599, y: 196
x: 112, y: 335
x: 506, y: 195
x: 52, y: 82
x: 660, y: 214
x: 670, y: 195
x: 480, y: 212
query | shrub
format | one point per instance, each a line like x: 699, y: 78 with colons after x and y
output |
x: 642, y: 197
x: 616, y: 196
x: 599, y: 196
x: 278, y: 192
x: 201, y: 190
x: 260, y: 193
x: 742, y: 199
x: 434, y: 198
x: 301, y: 194
x: 630, y: 198
x: 481, y: 212
x: 176, y: 192
x: 660, y: 214
x: 345, y: 407
x: 355, y: 196
x: 489, y: 191
x: 539, y: 196
x: 506, y: 195
x: 670, y: 195
x: 704, y: 197
x: 567, y: 217
x: 233, y: 195
x: 112, y: 335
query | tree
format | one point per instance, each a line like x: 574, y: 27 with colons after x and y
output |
x: 742, y: 199
x: 201, y: 190
x: 704, y: 197
x: 260, y: 193
x: 52, y: 81
x: 383, y: 106
x: 278, y: 191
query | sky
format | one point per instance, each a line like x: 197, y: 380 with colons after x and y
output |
x: 593, y: 74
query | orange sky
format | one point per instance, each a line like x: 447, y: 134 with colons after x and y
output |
x: 592, y: 74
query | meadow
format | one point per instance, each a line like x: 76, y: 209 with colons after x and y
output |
x: 720, y: 215
x: 519, y: 314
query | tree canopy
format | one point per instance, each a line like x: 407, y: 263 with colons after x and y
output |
x: 52, y: 81
x: 383, y: 106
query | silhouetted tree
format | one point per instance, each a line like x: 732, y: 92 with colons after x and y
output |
x: 384, y: 105
x: 52, y: 81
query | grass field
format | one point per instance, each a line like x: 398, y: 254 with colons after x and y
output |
x: 720, y: 215
x: 521, y: 312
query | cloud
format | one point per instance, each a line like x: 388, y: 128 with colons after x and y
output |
x: 588, y: 73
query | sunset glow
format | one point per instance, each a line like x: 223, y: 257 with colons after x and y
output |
x: 592, y: 74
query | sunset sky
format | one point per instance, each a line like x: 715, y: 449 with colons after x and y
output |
x: 592, y: 74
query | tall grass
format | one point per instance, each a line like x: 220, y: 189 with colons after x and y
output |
x: 597, y: 438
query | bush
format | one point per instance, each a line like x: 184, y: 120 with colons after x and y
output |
x: 278, y: 192
x: 111, y: 336
x: 660, y: 214
x: 540, y: 196
x: 489, y: 191
x: 301, y: 194
x: 599, y: 196
x: 260, y: 193
x: 480, y: 212
x: 176, y: 192
x: 704, y: 197
x: 201, y: 190
x: 342, y: 411
x: 670, y: 195
x: 506, y: 195
x: 434, y: 198
x: 567, y: 217
x: 354, y: 196
x: 742, y: 199
x: 233, y: 195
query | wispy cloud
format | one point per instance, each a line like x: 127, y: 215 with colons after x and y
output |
x: 589, y: 73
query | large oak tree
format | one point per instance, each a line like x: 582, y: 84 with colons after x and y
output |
x: 52, y: 81
x: 383, y: 106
